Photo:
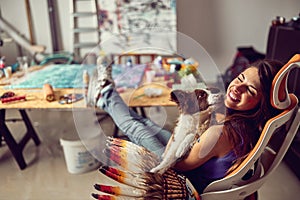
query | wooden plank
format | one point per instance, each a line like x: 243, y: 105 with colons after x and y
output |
x: 17, y: 37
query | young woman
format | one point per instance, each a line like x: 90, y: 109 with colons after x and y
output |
x: 221, y: 147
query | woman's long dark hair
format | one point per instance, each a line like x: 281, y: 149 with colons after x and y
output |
x: 243, y: 128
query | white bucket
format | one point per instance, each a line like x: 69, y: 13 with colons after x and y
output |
x: 78, y: 158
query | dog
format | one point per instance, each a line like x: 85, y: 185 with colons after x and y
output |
x: 195, y: 116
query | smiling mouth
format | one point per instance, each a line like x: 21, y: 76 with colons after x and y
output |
x: 233, y: 97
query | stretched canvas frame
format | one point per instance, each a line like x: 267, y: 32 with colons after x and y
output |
x: 138, y: 26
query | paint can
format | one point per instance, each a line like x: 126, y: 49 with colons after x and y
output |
x: 78, y: 158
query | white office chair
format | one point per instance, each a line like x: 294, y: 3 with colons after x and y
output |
x: 280, y: 130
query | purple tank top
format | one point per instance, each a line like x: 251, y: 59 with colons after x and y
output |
x: 212, y: 170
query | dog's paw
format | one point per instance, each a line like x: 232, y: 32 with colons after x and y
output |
x: 185, y: 145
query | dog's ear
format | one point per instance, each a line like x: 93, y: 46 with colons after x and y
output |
x: 200, y: 94
x: 176, y: 95
x: 213, y: 90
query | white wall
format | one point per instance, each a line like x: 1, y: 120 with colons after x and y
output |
x: 220, y: 26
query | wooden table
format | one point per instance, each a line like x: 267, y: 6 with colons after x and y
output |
x: 35, y: 98
x: 134, y: 98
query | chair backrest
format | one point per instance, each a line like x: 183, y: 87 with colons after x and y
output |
x: 271, y: 147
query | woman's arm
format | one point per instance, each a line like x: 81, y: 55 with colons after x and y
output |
x: 211, y: 144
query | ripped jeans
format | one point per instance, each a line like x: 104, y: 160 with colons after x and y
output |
x: 141, y: 131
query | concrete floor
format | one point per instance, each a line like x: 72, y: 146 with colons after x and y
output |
x: 47, y: 177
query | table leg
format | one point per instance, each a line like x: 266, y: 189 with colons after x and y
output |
x: 17, y: 148
x: 30, y: 130
x: 140, y: 110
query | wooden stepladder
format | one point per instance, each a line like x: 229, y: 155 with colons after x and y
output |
x: 85, y: 22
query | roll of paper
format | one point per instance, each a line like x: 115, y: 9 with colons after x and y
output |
x: 48, y: 92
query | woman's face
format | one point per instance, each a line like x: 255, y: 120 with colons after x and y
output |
x: 243, y: 92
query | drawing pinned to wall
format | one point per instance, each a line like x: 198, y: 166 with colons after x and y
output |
x: 134, y: 24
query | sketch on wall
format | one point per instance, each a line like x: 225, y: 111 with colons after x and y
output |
x: 135, y: 25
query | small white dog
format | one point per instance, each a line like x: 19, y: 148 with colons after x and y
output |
x: 195, y: 114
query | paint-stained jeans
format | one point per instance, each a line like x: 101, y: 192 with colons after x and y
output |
x: 139, y: 130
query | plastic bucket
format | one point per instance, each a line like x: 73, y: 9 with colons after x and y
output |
x: 78, y: 158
